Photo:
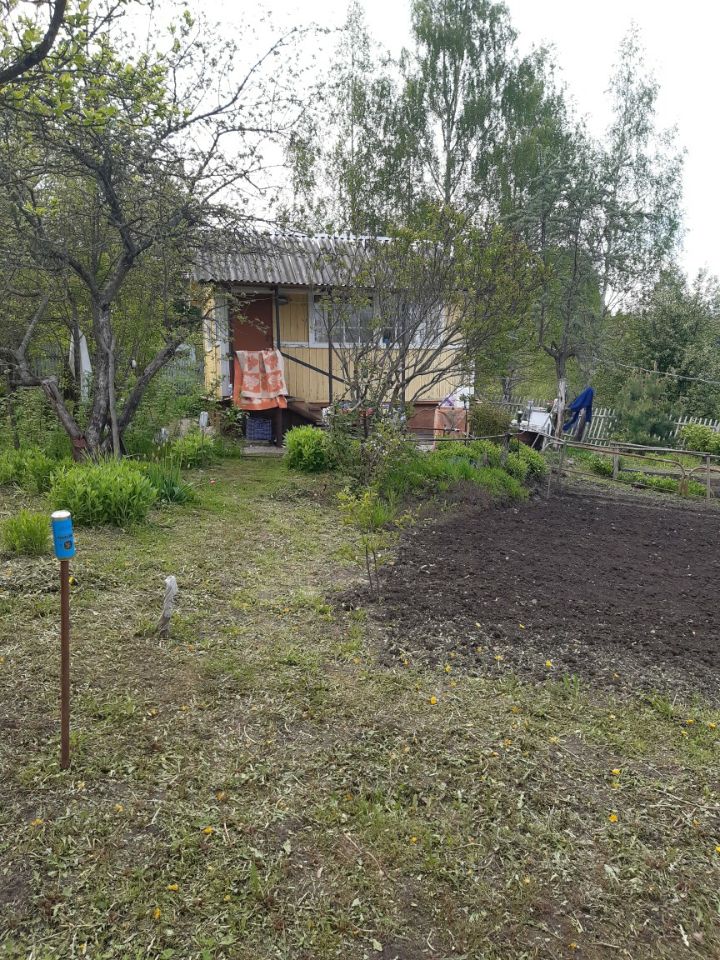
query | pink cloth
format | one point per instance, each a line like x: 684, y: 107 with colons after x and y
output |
x: 259, y: 380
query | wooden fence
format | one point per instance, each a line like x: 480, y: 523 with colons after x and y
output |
x: 600, y: 431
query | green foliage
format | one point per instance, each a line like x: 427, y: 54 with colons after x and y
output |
x: 27, y: 534
x: 488, y: 420
x: 643, y: 413
x: 517, y: 467
x: 195, y: 449
x: 29, y: 469
x: 166, y: 402
x: 371, y: 516
x: 115, y: 492
x: 26, y: 417
x: 307, y: 449
x: 168, y: 483
x: 599, y: 464
x: 535, y: 461
x: 700, y: 437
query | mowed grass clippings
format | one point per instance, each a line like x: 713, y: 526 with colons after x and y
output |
x: 259, y: 786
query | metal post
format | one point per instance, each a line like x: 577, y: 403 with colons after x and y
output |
x: 64, y: 543
x: 64, y: 664
x: 707, y: 478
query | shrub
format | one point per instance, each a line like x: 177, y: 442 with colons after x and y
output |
x: 195, y: 449
x: 517, y: 467
x: 30, y: 469
x: 488, y: 420
x: 27, y: 534
x: 113, y: 492
x: 600, y: 465
x: 698, y: 436
x: 499, y: 484
x: 536, y: 463
x: 307, y: 449
x: 168, y: 483
x: 486, y: 453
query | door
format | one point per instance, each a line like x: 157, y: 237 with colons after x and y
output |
x: 252, y: 324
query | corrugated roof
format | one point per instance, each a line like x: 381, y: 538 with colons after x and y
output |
x: 288, y: 260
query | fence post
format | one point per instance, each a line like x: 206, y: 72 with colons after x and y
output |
x: 505, y: 449
x: 707, y: 478
x: 616, y: 465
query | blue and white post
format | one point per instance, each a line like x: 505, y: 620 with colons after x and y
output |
x: 64, y: 543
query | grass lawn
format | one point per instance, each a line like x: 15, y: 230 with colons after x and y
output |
x: 260, y: 786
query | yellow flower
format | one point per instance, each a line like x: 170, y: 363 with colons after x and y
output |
x: 711, y: 725
x: 221, y: 796
x: 453, y: 683
x: 208, y: 830
x: 615, y: 784
x: 406, y: 662
x: 548, y: 664
x: 448, y: 668
x: 37, y: 822
x: 615, y: 771
x: 184, y: 707
x: 613, y: 818
x: 553, y: 740
x: 507, y: 742
x: 572, y: 945
x: 433, y: 700
x: 515, y: 709
x: 413, y: 839
x: 717, y: 849
x: 527, y: 881
x: 119, y: 808
x: 522, y: 626
x: 499, y: 657
x: 173, y: 887
x: 227, y: 898
x: 157, y: 913
x: 690, y: 720
x: 153, y: 712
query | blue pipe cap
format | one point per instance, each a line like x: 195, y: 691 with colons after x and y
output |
x: 63, y: 534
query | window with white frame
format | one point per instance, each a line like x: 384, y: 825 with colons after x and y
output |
x: 341, y: 319
x: 349, y: 320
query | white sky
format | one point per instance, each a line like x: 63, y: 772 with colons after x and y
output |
x: 681, y: 44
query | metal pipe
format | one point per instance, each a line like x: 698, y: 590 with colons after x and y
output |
x: 64, y: 664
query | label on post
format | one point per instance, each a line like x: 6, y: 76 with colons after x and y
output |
x: 63, y: 535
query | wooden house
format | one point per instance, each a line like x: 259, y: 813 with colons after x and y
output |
x: 267, y: 294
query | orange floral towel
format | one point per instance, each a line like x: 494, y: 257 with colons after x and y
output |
x: 259, y: 380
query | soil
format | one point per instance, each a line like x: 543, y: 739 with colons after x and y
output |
x: 619, y: 591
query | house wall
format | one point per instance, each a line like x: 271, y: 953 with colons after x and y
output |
x: 302, y: 383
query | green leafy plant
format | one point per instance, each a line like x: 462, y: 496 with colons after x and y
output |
x: 700, y: 437
x: 371, y: 517
x: 195, y: 449
x: 536, y: 463
x: 30, y: 469
x: 488, y: 420
x: 27, y: 534
x: 115, y: 492
x: 307, y: 449
x: 166, y: 478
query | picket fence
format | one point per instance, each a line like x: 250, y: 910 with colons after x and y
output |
x: 601, y: 427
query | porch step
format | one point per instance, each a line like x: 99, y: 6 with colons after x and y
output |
x: 302, y: 409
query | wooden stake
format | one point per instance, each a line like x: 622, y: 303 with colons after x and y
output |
x: 707, y: 478
x: 64, y: 664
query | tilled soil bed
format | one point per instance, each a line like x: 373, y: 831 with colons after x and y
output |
x: 622, y: 592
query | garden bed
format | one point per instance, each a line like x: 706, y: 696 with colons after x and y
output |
x: 619, y: 591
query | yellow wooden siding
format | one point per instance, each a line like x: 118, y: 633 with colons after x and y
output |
x: 312, y: 387
x: 211, y: 350
x: 302, y: 383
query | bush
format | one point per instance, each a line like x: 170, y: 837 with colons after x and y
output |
x: 307, y: 449
x: 536, y: 463
x: 698, y: 436
x: 486, y: 453
x: 115, y: 492
x: 600, y: 465
x: 517, y: 467
x: 27, y: 534
x: 168, y: 483
x: 499, y: 484
x: 489, y: 420
x: 30, y: 469
x: 195, y: 449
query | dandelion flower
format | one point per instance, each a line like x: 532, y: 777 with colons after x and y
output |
x: 413, y: 839
x: 613, y: 818
x: 208, y: 830
x: 157, y: 913
x: 711, y: 725
x: 448, y: 668
x: 527, y: 881
x: 548, y: 664
x: 717, y: 849
x: 615, y: 784
x: 499, y: 657
x: 37, y: 822
x: 515, y: 709
x: 553, y: 740
x: 433, y: 701
x: 221, y: 796
x: 690, y: 720
x: 615, y: 771
x: 119, y: 808
x: 173, y: 887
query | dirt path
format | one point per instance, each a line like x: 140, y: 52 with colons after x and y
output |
x: 621, y: 591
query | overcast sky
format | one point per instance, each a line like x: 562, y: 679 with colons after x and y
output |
x: 681, y: 43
